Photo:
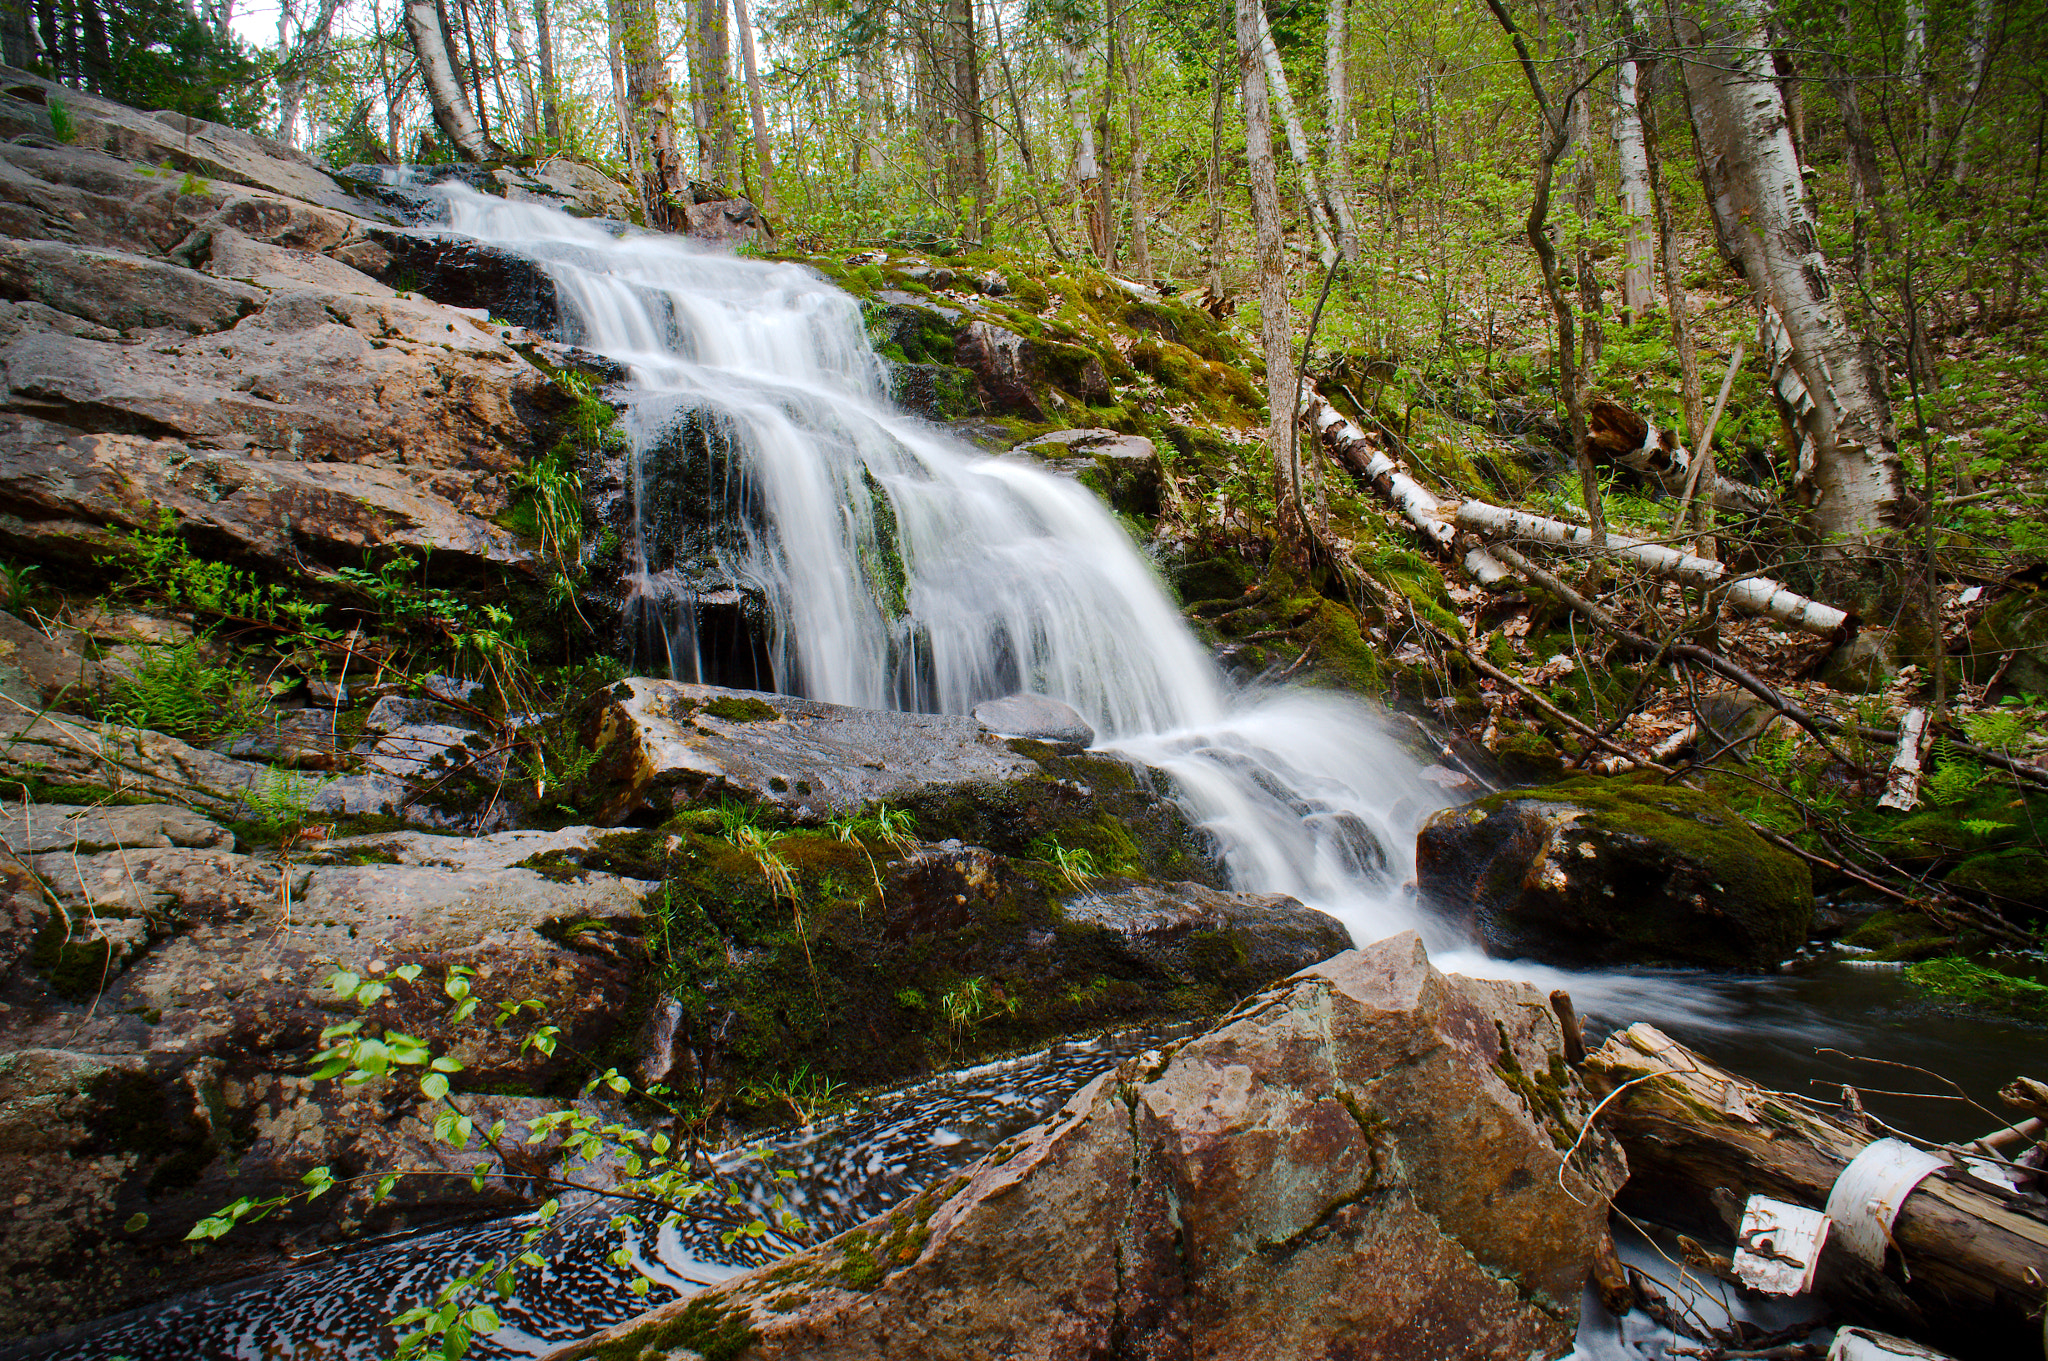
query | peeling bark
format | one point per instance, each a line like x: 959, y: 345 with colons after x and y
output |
x: 444, y: 90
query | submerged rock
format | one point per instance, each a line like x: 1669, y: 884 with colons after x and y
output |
x: 1361, y: 1162
x: 1597, y: 873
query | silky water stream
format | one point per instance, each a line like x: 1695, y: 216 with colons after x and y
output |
x: 854, y: 554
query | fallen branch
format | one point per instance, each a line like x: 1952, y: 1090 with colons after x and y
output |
x: 1749, y: 594
x: 1692, y: 652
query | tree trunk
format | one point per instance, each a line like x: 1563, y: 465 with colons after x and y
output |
x: 1276, y: 328
x: 444, y: 88
x: 757, y: 102
x: 1556, y: 139
x: 1977, y: 56
x: 1141, y: 240
x: 17, y: 33
x: 1849, y: 462
x: 967, y: 149
x: 651, y: 103
x: 1691, y: 397
x: 1086, y: 168
x: 550, y: 95
x: 717, y: 136
x: 1638, y: 292
x: 475, y: 67
x: 622, y: 105
x: 486, y: 21
x: 523, y: 70
x: 1585, y: 195
x: 1297, y: 140
x: 1959, y: 1261
x: 1024, y: 151
x: 1866, y: 174
x: 1337, y: 98
x: 98, y: 57
x: 1212, y: 183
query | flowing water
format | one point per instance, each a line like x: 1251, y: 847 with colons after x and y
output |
x: 865, y: 557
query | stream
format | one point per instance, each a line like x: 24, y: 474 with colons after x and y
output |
x: 880, y: 562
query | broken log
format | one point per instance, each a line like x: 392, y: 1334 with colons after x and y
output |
x: 1750, y: 595
x: 1962, y: 1266
x: 1372, y: 466
x: 1902, y: 785
x: 1623, y: 437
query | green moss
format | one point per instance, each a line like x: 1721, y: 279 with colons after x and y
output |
x: 741, y: 709
x: 2014, y: 878
x: 1899, y: 935
x: 1980, y: 985
x: 714, y: 1328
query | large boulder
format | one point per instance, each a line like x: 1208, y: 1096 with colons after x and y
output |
x: 165, y: 992
x: 2010, y: 644
x: 1597, y: 873
x: 1121, y: 469
x: 1362, y: 1162
x: 669, y: 744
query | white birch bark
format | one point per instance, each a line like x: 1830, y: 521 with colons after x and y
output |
x: 444, y: 92
x: 1087, y: 170
x: 1902, y: 784
x: 523, y: 68
x: 1141, y: 237
x: 1638, y: 292
x: 1850, y: 469
x: 1297, y: 140
x: 1748, y: 594
x: 1337, y: 123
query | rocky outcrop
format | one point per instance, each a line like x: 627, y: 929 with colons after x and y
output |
x: 1038, y: 717
x: 666, y: 744
x: 1362, y: 1162
x: 164, y: 993
x: 1121, y: 469
x: 1595, y: 873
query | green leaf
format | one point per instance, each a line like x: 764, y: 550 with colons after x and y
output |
x: 344, y: 983
x: 408, y: 972
x: 434, y: 1086
x: 136, y: 1223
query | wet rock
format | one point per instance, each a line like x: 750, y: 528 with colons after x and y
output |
x: 1035, y: 716
x: 464, y: 273
x: 666, y: 745
x: 1183, y: 929
x: 285, y: 404
x: 1601, y: 873
x: 1363, y: 1161
x: 1122, y: 469
x: 163, y: 1077
x: 1005, y: 366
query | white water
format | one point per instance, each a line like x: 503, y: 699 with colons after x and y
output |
x: 1016, y: 579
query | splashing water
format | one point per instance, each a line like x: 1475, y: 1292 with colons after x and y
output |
x: 893, y: 567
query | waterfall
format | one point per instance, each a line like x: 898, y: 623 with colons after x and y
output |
x: 889, y: 565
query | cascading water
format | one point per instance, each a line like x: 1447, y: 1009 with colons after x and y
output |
x: 892, y: 567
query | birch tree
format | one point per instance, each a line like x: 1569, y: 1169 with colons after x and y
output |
x: 1297, y: 139
x: 444, y: 88
x: 750, y: 61
x: 1848, y: 464
x: 1638, y: 293
x: 1337, y: 123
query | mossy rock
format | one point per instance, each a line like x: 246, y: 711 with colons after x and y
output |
x: 2014, y: 881
x: 1606, y: 872
x: 2016, y: 625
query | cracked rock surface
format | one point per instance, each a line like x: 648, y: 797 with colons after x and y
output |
x: 1362, y: 1161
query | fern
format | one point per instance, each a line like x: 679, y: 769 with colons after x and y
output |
x: 173, y: 690
x: 1955, y: 777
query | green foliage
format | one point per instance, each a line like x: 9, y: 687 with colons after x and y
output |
x: 1954, y: 778
x: 648, y: 1173
x: 281, y: 800
x: 163, y: 569
x: 1077, y: 865
x: 174, y: 689
x: 60, y: 121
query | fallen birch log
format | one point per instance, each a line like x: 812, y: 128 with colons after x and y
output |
x: 1930, y: 1251
x: 1372, y: 466
x: 1751, y: 595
